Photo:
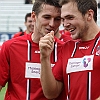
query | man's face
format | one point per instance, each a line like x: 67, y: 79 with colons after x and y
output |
x: 73, y: 20
x: 29, y: 25
x: 47, y: 20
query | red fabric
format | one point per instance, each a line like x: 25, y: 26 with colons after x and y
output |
x: 65, y: 35
x: 13, y: 57
x: 19, y: 34
x: 0, y: 47
x: 78, y: 80
x: 65, y: 32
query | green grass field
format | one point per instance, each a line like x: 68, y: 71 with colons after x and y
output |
x: 2, y: 93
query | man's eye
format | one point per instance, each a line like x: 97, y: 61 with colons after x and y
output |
x: 58, y: 18
x: 47, y: 17
x: 69, y: 17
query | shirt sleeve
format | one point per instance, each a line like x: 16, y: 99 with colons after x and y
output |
x: 4, y: 65
x: 58, y: 68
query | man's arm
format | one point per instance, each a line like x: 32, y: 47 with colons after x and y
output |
x: 51, y: 87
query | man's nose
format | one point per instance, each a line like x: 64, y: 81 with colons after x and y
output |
x: 51, y: 23
x: 66, y: 24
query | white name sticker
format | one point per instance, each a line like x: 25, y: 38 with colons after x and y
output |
x: 32, y: 70
x: 80, y: 64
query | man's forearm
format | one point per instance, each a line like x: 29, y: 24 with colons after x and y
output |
x: 49, y: 84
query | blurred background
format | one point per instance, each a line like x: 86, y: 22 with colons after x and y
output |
x: 12, y: 17
x: 12, y: 13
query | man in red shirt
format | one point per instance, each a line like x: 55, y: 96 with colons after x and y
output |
x: 20, y: 57
x: 29, y: 26
x: 77, y: 68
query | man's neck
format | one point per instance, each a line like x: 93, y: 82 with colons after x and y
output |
x: 58, y: 35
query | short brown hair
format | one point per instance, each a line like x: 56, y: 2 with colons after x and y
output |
x: 27, y: 15
x: 37, y: 6
x: 83, y: 6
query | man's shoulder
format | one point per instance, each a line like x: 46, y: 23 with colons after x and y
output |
x: 19, y: 39
x: 18, y: 34
x: 70, y: 45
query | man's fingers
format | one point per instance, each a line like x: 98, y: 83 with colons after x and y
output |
x: 45, y: 43
x: 52, y: 33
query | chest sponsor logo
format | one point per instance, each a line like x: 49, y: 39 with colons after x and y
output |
x: 80, y: 64
x: 86, y: 62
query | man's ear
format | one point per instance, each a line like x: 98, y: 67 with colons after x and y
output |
x: 33, y: 15
x: 90, y: 14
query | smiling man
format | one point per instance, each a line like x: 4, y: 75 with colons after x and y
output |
x: 78, y: 64
x: 20, y: 57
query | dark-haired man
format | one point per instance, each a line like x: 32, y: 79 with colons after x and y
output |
x: 78, y: 65
x: 20, y: 57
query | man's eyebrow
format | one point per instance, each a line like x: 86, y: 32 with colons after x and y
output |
x: 50, y: 16
x: 30, y: 20
x: 67, y: 16
x: 47, y: 15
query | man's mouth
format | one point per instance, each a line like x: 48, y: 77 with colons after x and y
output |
x: 70, y: 29
x: 49, y: 30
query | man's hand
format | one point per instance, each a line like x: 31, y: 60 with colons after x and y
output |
x: 46, y: 44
